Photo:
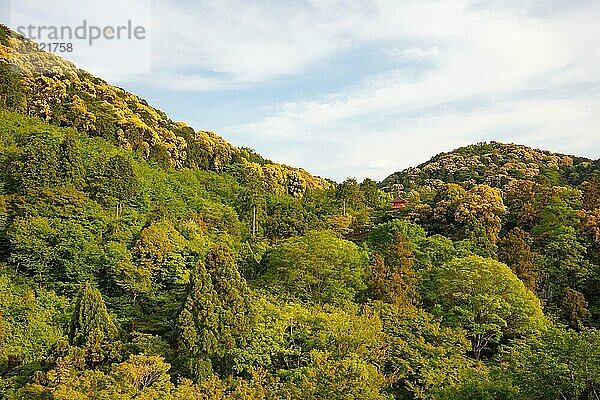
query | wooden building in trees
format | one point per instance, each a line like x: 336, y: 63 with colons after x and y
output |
x: 398, y: 203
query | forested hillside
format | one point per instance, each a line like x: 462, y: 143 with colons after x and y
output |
x: 495, y: 164
x: 43, y: 85
x: 142, y: 260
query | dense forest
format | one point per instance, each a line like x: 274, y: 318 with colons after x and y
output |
x: 140, y: 259
x: 496, y: 164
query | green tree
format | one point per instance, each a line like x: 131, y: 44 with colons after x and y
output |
x: 160, y: 252
x: 316, y: 267
x: 30, y: 323
x: 198, y: 324
x: 72, y: 169
x: 564, y: 261
x: 350, y: 195
x: 90, y: 320
x: 420, y: 354
x: 61, y: 251
x: 484, y: 297
x: 516, y: 252
x: 482, y: 387
x: 38, y: 165
x: 350, y: 378
x: 216, y: 316
x: 11, y: 90
x: 31, y: 240
x: 132, y: 277
x: 397, y: 241
x: 374, y: 197
x: 114, y: 181
x: 284, y: 217
x: 434, y: 251
x: 559, y: 364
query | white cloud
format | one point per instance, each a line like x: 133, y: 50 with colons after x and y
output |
x: 245, y: 42
x: 483, y: 54
x: 416, y: 53
x: 511, y: 70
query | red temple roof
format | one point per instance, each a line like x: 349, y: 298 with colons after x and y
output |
x: 398, y: 202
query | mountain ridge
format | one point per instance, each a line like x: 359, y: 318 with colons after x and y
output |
x: 44, y: 85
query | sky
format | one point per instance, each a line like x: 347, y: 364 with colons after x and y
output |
x: 365, y: 88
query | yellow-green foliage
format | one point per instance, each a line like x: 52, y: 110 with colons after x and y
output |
x: 281, y: 179
x: 494, y: 164
x: 56, y: 91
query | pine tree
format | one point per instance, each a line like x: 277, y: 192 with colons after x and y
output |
x: 198, y: 326
x: 216, y: 314
x: 233, y: 293
x: 197, y: 321
x: 90, y: 321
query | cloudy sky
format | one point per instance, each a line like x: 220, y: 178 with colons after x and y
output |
x: 366, y: 88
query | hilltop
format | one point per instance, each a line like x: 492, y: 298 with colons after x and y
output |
x: 495, y: 164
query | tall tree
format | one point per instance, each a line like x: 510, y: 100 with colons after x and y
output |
x: 121, y: 180
x: 484, y: 297
x: 318, y: 267
x: 516, y: 252
x: 564, y: 262
x: 114, y: 181
x: 391, y: 276
x: 72, y: 170
x: 90, y: 320
x: 350, y: 195
x: 216, y: 316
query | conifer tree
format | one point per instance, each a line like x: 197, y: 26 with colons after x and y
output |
x: 233, y: 294
x: 197, y: 324
x: 216, y: 314
x: 90, y: 320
